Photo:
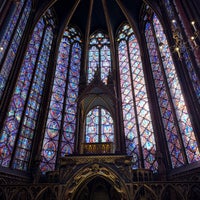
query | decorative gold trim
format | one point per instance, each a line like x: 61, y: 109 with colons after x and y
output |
x: 95, y: 159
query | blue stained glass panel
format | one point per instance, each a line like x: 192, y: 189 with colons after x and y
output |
x: 29, y: 123
x: 67, y: 144
x: 164, y: 102
x: 135, y: 106
x: 61, y: 121
x: 15, y: 111
x: 185, y: 125
x: 6, y: 65
x: 99, y: 56
x: 99, y: 126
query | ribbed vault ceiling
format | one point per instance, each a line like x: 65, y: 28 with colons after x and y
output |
x: 92, y: 15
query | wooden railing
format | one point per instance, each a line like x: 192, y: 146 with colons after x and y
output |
x: 97, y: 148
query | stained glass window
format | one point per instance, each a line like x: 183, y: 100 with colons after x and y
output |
x: 11, y: 37
x: 99, y: 126
x: 136, y: 113
x: 184, y: 51
x: 99, y: 56
x: 23, y: 111
x: 61, y: 120
x: 178, y: 128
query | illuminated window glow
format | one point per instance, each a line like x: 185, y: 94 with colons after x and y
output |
x: 136, y: 113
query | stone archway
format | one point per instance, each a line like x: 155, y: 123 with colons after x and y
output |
x: 97, y: 189
x: 144, y: 193
x: 93, y: 180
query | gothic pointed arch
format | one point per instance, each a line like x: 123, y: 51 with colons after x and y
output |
x: 88, y: 175
x: 99, y: 99
x: 97, y: 116
x: 98, y: 187
x: 144, y: 193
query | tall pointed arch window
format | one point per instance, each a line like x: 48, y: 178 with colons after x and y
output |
x: 179, y: 133
x: 61, y: 120
x: 99, y: 126
x: 195, y: 79
x: 99, y: 56
x: 139, y: 137
x: 20, y: 122
x: 10, y: 37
